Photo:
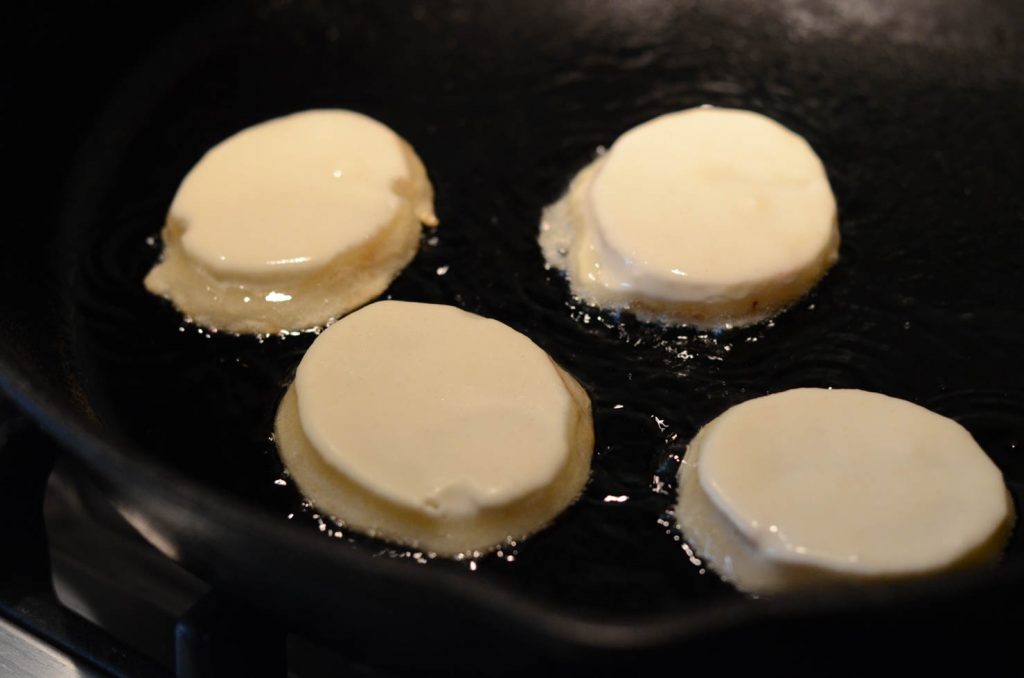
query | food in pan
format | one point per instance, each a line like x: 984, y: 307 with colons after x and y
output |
x: 707, y: 217
x: 434, y: 428
x: 292, y: 222
x: 811, y: 486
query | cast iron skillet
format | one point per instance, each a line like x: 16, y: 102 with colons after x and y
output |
x: 916, y: 111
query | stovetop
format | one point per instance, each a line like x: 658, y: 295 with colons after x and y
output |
x: 81, y: 594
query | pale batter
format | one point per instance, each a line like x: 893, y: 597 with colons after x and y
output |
x: 816, y: 485
x: 293, y: 222
x: 435, y: 428
x: 707, y: 217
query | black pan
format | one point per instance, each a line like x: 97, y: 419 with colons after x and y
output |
x: 917, y: 110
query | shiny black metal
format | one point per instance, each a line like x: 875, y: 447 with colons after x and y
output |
x: 27, y: 598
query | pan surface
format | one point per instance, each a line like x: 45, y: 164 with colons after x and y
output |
x: 916, y: 109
